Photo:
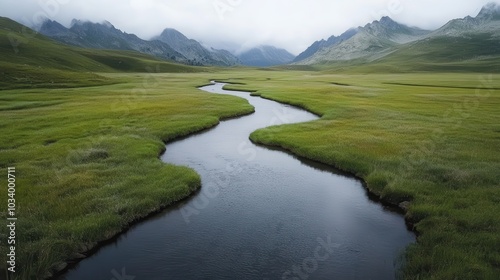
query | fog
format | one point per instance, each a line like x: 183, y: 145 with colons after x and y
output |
x: 240, y: 24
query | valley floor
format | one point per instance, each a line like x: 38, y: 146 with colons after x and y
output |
x: 427, y: 142
x: 87, y: 158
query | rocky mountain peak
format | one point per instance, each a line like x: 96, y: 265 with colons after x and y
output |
x: 50, y: 24
x: 170, y: 35
x: 194, y: 51
x: 79, y: 24
x: 76, y: 22
x: 490, y: 11
x: 321, y: 44
x: 52, y: 28
x: 265, y: 55
x: 385, y: 24
x: 388, y: 21
x: 383, y: 28
x: 108, y: 24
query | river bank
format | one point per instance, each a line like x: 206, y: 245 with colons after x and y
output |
x: 415, y: 148
x: 82, y: 152
x: 256, y: 192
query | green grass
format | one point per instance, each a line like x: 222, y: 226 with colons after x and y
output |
x: 87, y: 163
x: 85, y: 143
x: 30, y: 60
x: 87, y: 158
x: 474, y: 53
x: 85, y: 140
x: 435, y: 145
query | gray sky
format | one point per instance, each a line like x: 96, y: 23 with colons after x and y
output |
x: 241, y: 24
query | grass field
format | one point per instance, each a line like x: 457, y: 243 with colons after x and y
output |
x: 85, y: 144
x: 87, y: 158
x: 428, y: 139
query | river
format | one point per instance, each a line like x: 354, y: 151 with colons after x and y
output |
x: 261, y: 214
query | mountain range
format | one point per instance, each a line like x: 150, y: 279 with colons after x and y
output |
x: 322, y: 44
x: 385, y: 40
x: 380, y: 42
x: 264, y: 56
x: 194, y: 51
x: 373, y: 40
x: 170, y: 45
x: 106, y: 36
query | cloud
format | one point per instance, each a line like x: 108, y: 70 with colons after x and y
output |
x: 240, y: 24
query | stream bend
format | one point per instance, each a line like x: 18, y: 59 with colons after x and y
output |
x: 261, y: 214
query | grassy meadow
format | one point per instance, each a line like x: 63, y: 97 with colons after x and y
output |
x: 84, y: 129
x: 428, y: 142
x: 87, y: 158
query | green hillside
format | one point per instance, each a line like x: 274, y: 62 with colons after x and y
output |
x: 474, y: 53
x: 30, y: 60
x: 478, y: 52
x: 84, y: 129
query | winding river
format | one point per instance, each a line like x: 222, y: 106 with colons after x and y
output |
x: 261, y: 214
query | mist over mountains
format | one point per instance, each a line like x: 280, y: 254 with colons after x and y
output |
x: 194, y: 51
x: 170, y: 45
x: 264, y: 56
x: 373, y: 39
x: 106, y: 36
x: 386, y: 39
x: 373, y: 42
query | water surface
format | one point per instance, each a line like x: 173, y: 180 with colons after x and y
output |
x: 261, y: 214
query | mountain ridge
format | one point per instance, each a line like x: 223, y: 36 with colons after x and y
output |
x: 42, y: 62
x: 194, y: 51
x: 374, y: 39
x: 487, y: 20
x: 104, y: 35
x: 365, y: 44
x: 265, y: 56
x: 332, y: 40
x: 87, y: 34
x: 386, y: 37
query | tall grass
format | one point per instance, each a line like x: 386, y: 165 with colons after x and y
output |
x: 87, y: 159
x: 428, y: 139
x: 85, y: 145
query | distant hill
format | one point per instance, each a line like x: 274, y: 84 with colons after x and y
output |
x: 38, y: 61
x: 467, y: 44
x: 105, y: 36
x: 194, y: 52
x: 322, y: 44
x: 265, y: 56
x: 374, y: 40
x: 486, y: 22
x: 170, y: 45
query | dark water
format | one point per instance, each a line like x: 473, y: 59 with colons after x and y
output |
x: 261, y: 214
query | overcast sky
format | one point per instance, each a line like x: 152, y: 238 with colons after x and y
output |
x: 241, y: 24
